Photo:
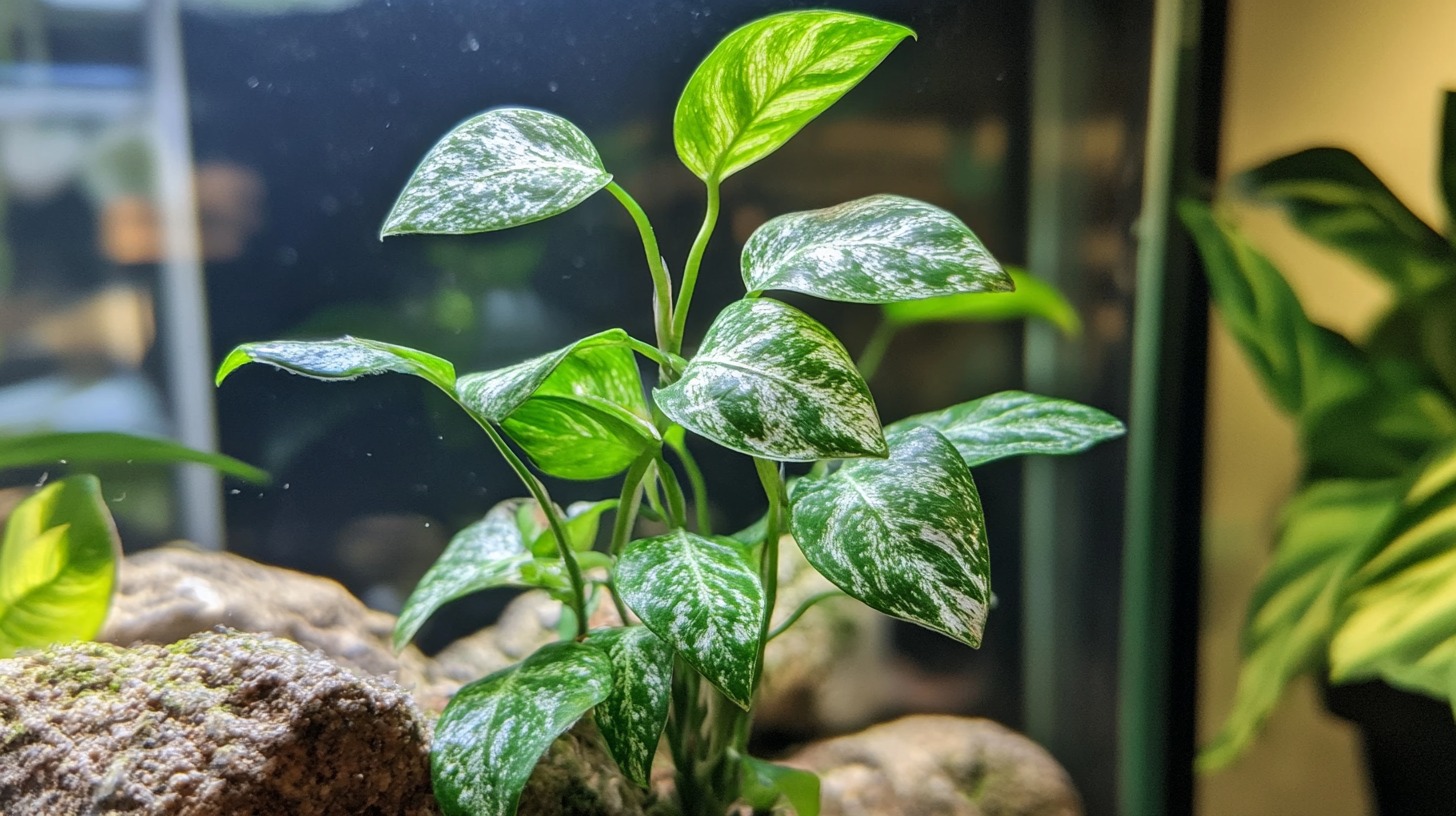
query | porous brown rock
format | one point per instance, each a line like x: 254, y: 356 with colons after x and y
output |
x: 932, y: 765
x: 227, y: 722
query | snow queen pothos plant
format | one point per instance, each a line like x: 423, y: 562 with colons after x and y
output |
x: 890, y: 515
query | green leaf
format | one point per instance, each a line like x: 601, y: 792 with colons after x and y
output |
x: 1334, y: 198
x: 499, y: 169
x: 632, y: 717
x: 1397, y: 618
x: 703, y: 597
x: 768, y: 79
x: 94, y: 447
x: 880, y: 249
x: 1033, y: 297
x: 57, y: 566
x: 1292, y: 613
x: 1015, y: 423
x: 495, y: 730
x: 904, y: 535
x: 582, y: 520
x: 1448, y: 161
x: 493, y: 395
x: 770, y: 381
x: 346, y: 358
x: 765, y: 783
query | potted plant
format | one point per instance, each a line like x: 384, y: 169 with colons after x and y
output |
x: 889, y: 514
x: 1361, y: 584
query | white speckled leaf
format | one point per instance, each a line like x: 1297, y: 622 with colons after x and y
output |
x: 493, y: 732
x: 346, y: 358
x: 502, y: 168
x: 904, y: 535
x: 1015, y: 423
x: 770, y: 381
x: 632, y: 717
x: 703, y: 597
x: 768, y: 79
x: 880, y: 249
x: 493, y: 395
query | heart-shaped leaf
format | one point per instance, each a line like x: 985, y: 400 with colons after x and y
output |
x: 765, y: 783
x: 494, y: 731
x: 768, y: 79
x: 1015, y: 423
x: 770, y: 381
x: 93, y: 447
x: 703, y: 597
x: 493, y: 395
x: 502, y: 168
x: 904, y: 535
x: 633, y: 715
x: 880, y: 249
x: 500, y: 549
x: 346, y: 358
x: 1033, y: 297
x: 57, y: 566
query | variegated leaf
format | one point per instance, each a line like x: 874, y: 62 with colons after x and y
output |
x: 632, y: 717
x: 768, y: 79
x: 704, y: 598
x: 880, y: 249
x: 493, y: 732
x: 1015, y: 423
x: 770, y: 381
x: 57, y: 566
x: 346, y: 358
x: 502, y: 168
x: 905, y: 535
x: 493, y: 395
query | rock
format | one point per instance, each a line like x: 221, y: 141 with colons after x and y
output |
x: 169, y: 593
x: 218, y: 723
x: 931, y: 765
x: 576, y: 777
x: 528, y: 622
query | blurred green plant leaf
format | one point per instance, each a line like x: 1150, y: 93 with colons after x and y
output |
x: 1033, y: 297
x: 499, y: 169
x: 765, y: 784
x: 768, y: 79
x: 770, y: 381
x: 98, y: 447
x: 703, y: 597
x: 632, y: 717
x: 905, y: 535
x: 494, y: 731
x: 57, y: 566
x: 1292, y: 613
x: 879, y: 249
x: 1330, y: 195
x: 1015, y: 423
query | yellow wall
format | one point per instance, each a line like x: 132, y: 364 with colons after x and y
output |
x: 1367, y: 76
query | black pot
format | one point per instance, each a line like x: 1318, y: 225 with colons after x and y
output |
x: 1410, y: 746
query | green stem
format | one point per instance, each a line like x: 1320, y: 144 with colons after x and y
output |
x: 553, y: 518
x: 874, y: 350
x: 768, y: 568
x: 677, y: 509
x: 628, y: 503
x: 661, y: 281
x: 699, y: 485
x: 807, y: 604
x: 665, y: 359
x: 690, y: 269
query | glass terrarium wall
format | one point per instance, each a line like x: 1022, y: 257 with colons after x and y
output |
x: 102, y: 324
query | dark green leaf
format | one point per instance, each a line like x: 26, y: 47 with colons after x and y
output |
x: 904, y: 535
x: 765, y: 783
x: 768, y: 79
x: 633, y: 715
x: 1334, y: 198
x: 346, y: 358
x: 57, y: 566
x: 770, y: 381
x: 502, y: 168
x: 1397, y: 619
x: 96, y: 447
x: 703, y: 597
x: 1292, y: 613
x: 1033, y: 297
x: 880, y: 249
x: 494, y: 731
x: 1015, y: 423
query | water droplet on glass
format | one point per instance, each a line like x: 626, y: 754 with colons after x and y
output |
x: 122, y: 497
x: 252, y: 82
x: 43, y: 477
x: 553, y: 86
x: 285, y: 485
x: 65, y: 462
x: 234, y: 492
x: 470, y: 43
